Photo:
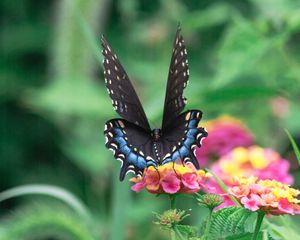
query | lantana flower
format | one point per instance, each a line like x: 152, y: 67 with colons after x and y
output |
x: 269, y: 196
x: 225, y: 133
x: 263, y: 163
x: 171, y: 178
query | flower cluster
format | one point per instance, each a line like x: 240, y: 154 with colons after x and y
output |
x: 264, y: 163
x: 269, y: 196
x: 170, y: 178
x: 225, y: 133
x: 245, y: 162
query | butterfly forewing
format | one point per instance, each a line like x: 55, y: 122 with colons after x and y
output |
x: 177, y: 81
x: 124, y: 98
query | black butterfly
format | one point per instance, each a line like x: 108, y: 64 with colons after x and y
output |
x: 131, y: 138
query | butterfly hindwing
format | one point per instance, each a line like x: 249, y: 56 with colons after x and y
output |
x: 131, y: 145
x: 181, y: 138
x: 177, y: 81
x: 124, y: 98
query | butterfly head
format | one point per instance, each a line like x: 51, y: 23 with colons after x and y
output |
x: 156, y: 134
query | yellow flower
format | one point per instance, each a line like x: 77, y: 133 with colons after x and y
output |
x: 257, y: 158
x: 240, y: 155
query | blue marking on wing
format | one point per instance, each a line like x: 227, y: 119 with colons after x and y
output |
x: 175, y: 156
x: 191, y: 133
x: 183, y: 151
x: 121, y: 141
x: 131, y: 157
x: 118, y: 132
x: 192, y: 124
x: 188, y: 141
x: 152, y: 163
x: 166, y: 161
x: 126, y: 150
x: 141, y: 162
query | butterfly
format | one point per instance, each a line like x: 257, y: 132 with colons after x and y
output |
x: 130, y: 138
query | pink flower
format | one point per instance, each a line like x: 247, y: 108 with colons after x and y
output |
x: 189, y: 180
x: 285, y: 206
x: 269, y: 196
x: 263, y: 163
x: 256, y: 188
x: 170, y: 183
x: 251, y: 203
x: 269, y: 199
x: 138, y: 186
x: 240, y: 192
x: 225, y: 133
x: 171, y: 178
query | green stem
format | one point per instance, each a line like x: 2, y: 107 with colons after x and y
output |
x: 223, y: 187
x: 260, y: 217
x: 208, y: 224
x: 173, y: 199
x: 173, y: 234
x: 177, y: 233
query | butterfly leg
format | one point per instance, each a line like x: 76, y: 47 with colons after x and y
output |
x: 157, y: 172
x: 175, y: 170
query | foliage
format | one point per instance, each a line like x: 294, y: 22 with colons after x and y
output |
x: 39, y: 221
x: 53, y: 103
x: 228, y: 222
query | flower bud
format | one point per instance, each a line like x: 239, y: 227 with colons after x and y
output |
x: 171, y: 217
x: 210, y: 200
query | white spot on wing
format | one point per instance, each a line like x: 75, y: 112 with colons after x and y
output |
x: 128, y: 171
x: 121, y: 160
x: 114, y: 145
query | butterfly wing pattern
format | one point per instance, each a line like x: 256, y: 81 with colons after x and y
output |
x: 182, y: 137
x: 131, y: 138
x: 131, y: 145
x: 124, y: 98
x: 177, y: 81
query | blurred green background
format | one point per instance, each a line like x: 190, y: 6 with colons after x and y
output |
x: 244, y: 59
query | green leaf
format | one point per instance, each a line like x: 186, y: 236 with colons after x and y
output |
x: 49, y: 190
x: 46, y: 221
x: 248, y: 236
x: 229, y: 221
x: 243, y: 45
x: 295, y: 147
x: 238, y: 93
x: 187, y: 231
x: 283, y: 232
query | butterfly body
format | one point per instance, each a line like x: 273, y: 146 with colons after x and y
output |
x: 130, y: 138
